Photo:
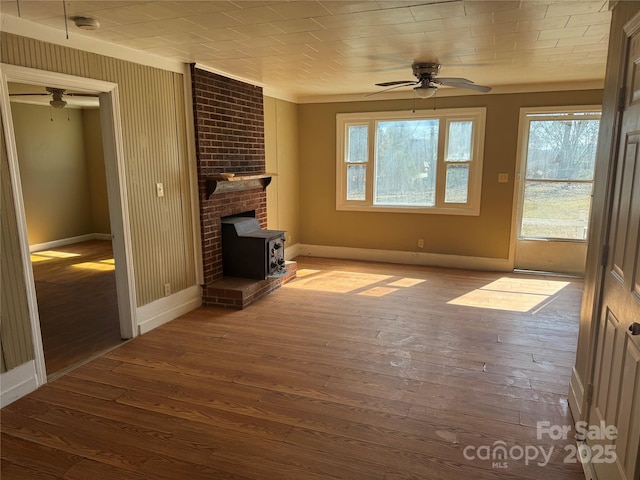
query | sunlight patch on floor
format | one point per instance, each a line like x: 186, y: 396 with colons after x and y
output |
x: 512, y: 294
x: 50, y: 254
x: 98, y: 266
x: 305, y: 272
x: 406, y: 282
x: 378, y: 291
x: 338, y: 282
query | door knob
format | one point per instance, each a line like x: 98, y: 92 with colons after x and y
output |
x: 634, y: 328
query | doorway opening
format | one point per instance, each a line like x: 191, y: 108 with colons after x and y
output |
x: 557, y: 148
x: 67, y: 168
x: 64, y: 191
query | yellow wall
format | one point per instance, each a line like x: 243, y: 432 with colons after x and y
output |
x: 94, y: 155
x: 281, y: 144
x: 487, y: 235
x: 53, y: 172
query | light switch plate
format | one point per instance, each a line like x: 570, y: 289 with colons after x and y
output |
x: 503, y: 178
x: 160, y: 189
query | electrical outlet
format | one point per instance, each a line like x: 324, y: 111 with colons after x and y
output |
x: 167, y: 289
x: 160, y: 189
x: 503, y: 178
x: 420, y: 243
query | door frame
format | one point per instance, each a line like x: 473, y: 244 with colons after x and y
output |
x: 116, y: 190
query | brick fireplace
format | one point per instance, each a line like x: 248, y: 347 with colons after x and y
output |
x: 229, y: 130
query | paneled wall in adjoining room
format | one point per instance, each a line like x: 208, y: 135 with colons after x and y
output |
x: 155, y: 147
x: 16, y: 345
x: 155, y: 150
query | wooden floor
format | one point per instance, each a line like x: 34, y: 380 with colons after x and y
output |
x: 353, y: 371
x: 77, y: 302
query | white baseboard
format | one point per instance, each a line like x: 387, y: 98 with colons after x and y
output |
x: 292, y: 252
x: 576, y: 396
x: 17, y: 383
x: 168, y: 308
x: 63, y: 242
x: 410, y: 258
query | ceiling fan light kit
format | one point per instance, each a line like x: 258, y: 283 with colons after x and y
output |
x: 425, y: 92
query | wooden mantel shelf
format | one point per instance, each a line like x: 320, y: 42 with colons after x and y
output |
x: 220, y: 184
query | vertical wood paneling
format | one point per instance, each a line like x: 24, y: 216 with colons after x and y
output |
x: 16, y: 346
x: 155, y: 151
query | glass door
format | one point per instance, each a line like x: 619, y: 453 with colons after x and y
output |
x: 557, y: 158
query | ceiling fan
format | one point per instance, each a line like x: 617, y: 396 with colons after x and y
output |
x: 57, y: 96
x: 428, y: 81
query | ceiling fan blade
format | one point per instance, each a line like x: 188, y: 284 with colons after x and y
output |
x: 404, y: 84
x: 82, y: 95
x: 29, y: 94
x: 461, y: 83
x: 398, y: 82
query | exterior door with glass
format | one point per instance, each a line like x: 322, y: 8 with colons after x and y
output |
x: 557, y: 157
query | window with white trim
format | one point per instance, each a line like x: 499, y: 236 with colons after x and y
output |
x: 422, y: 162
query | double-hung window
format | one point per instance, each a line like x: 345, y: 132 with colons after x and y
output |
x: 422, y: 162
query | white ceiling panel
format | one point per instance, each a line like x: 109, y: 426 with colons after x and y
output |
x: 309, y: 48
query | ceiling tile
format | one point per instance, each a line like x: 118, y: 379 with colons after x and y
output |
x: 542, y: 24
x: 298, y: 25
x: 476, y: 21
x: 563, y: 32
x: 300, y: 9
x: 586, y: 40
x: 434, y: 11
x: 259, y: 30
x: 213, y: 20
x: 601, y: 29
x: 526, y: 11
x: 296, y: 38
x: 363, y: 19
x: 574, y: 7
x: 148, y: 29
x: 255, y: 15
x: 600, y: 18
x: 487, y: 6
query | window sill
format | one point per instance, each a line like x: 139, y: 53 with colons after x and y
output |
x: 470, y: 212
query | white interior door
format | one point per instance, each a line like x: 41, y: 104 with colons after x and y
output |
x: 557, y: 158
x: 616, y: 382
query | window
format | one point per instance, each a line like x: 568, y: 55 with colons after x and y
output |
x: 557, y: 173
x: 423, y: 162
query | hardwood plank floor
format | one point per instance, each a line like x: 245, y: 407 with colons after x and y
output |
x: 352, y: 371
x: 77, y: 302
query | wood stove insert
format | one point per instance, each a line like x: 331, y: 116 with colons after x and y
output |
x: 249, y: 251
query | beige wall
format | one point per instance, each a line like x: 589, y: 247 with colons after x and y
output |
x: 94, y: 156
x: 487, y: 235
x: 53, y: 172
x: 281, y: 143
